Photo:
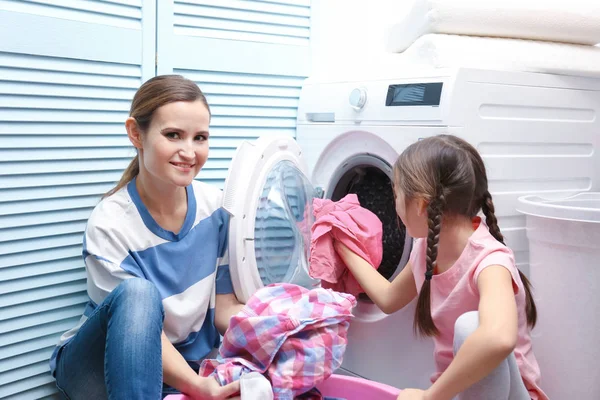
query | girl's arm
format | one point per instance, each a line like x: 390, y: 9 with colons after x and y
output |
x: 389, y: 297
x: 178, y: 374
x: 490, y: 344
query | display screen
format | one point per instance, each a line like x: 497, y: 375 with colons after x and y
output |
x: 414, y: 94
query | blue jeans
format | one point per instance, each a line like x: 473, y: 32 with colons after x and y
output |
x: 117, y: 352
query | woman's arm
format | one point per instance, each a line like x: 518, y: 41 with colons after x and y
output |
x: 227, y: 305
x: 492, y: 341
x: 105, y: 274
x: 389, y: 297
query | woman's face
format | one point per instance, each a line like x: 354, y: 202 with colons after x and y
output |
x: 175, y: 147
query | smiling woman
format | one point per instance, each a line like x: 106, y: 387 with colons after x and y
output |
x: 171, y: 152
x: 155, y: 251
x: 194, y: 157
x: 164, y: 100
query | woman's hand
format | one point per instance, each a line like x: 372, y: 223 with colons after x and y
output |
x: 412, y: 394
x: 209, y: 389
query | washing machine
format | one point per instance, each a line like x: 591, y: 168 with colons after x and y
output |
x: 537, y: 133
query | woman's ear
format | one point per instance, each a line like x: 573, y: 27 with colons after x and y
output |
x: 133, y: 132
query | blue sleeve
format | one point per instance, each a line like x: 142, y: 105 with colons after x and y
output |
x: 223, y: 233
x: 224, y: 285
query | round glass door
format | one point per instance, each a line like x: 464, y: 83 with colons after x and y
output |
x: 269, y: 199
x: 282, y: 226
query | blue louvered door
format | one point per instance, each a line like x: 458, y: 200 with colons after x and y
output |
x: 249, y: 57
x: 68, y: 70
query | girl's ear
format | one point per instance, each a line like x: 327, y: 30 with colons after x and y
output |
x: 422, y: 206
x: 133, y: 132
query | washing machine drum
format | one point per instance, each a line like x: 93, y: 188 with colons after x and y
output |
x: 375, y: 192
x: 269, y: 198
x: 284, y: 218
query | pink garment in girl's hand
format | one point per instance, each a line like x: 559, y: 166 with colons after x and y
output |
x: 356, y: 227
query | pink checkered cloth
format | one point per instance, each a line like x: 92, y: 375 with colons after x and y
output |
x: 294, y: 336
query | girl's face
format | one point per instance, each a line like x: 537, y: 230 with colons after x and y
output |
x: 413, y: 213
x: 175, y: 147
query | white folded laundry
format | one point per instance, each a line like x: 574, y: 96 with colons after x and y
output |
x: 439, y: 51
x: 573, y: 21
x: 450, y: 51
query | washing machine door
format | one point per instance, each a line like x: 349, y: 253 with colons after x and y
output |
x: 269, y: 199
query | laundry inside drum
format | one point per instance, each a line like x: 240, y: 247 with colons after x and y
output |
x: 374, y: 190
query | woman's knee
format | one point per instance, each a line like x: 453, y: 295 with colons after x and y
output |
x: 138, y: 288
x: 137, y: 294
x: 464, y: 326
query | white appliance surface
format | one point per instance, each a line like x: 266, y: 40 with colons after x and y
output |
x: 537, y: 133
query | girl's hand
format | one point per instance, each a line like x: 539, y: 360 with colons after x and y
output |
x: 344, y: 252
x: 209, y: 389
x: 412, y: 394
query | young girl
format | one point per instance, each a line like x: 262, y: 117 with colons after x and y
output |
x: 154, y: 250
x: 471, y: 298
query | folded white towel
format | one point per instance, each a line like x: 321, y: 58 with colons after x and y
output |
x: 572, y: 21
x: 450, y: 51
x: 438, y: 51
x: 254, y: 386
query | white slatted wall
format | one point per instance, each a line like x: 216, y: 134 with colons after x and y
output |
x: 244, y: 106
x: 68, y: 70
x: 250, y: 59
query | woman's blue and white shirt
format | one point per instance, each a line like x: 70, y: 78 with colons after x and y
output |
x: 123, y: 241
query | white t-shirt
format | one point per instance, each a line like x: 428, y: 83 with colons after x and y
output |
x: 123, y: 241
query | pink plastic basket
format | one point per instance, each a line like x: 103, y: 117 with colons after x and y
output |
x: 345, y: 387
x: 351, y: 388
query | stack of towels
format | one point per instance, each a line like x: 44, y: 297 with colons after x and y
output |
x: 552, y: 36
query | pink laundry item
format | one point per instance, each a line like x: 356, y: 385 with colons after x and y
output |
x: 455, y: 292
x: 356, y: 227
x: 294, y: 336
